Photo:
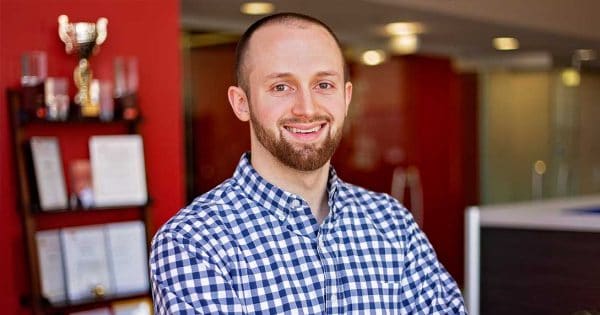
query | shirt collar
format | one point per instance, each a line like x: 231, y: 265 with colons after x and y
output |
x: 280, y: 202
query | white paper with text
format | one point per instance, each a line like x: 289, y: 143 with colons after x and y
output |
x: 118, y: 171
x: 128, y: 256
x: 86, y: 263
x: 49, y: 176
x: 51, y: 265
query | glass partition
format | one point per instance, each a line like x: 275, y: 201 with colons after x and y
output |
x: 539, y: 134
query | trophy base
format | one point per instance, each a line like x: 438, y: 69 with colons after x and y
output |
x: 90, y: 111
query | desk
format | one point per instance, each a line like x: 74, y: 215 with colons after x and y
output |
x: 533, y: 258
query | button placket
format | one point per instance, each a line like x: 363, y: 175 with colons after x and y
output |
x: 329, y: 268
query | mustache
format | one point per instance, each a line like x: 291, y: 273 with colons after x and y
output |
x: 305, y: 120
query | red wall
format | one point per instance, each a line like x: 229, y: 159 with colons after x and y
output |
x: 146, y: 29
x: 219, y: 137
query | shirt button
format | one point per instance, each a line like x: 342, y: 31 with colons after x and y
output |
x: 295, y: 203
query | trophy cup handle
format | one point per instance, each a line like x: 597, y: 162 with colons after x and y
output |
x: 63, y: 32
x: 101, y: 30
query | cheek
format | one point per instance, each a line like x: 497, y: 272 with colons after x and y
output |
x: 335, y: 106
x: 339, y: 118
x: 267, y: 113
x: 274, y: 106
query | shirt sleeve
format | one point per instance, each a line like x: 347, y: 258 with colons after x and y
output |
x: 187, y: 281
x: 427, y: 287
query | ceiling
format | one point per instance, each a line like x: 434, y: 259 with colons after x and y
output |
x: 548, y: 30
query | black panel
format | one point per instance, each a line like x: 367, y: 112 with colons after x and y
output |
x: 539, y: 272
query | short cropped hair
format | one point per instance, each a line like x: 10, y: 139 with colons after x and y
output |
x: 279, y: 18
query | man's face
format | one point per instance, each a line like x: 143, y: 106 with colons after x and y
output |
x: 297, y: 95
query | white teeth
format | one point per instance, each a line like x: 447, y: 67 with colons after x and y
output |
x: 296, y: 130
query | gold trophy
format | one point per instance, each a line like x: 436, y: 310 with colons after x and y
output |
x: 83, y: 38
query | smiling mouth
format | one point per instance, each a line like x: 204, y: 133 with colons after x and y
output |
x: 304, y: 131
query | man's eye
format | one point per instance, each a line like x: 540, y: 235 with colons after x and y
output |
x: 280, y: 87
x: 325, y: 85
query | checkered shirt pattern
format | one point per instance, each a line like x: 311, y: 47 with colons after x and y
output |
x: 248, y: 247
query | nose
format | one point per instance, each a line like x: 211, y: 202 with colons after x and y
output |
x: 304, y: 105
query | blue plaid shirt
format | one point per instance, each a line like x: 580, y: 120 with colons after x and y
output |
x: 249, y: 247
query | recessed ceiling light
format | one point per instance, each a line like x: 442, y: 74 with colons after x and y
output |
x: 404, y: 28
x: 257, y: 8
x: 373, y: 57
x: 506, y: 43
x: 404, y: 44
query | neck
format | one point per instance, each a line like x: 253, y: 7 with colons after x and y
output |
x: 310, y: 185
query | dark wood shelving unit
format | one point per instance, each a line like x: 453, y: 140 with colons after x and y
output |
x: 25, y: 124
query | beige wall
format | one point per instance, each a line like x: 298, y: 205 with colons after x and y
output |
x: 530, y: 116
x: 515, y: 132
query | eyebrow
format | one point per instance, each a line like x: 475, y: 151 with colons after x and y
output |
x: 327, y: 73
x: 278, y: 75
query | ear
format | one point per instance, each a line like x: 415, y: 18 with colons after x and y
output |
x: 348, y: 95
x: 239, y: 102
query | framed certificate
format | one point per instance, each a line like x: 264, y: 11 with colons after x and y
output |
x: 128, y: 256
x: 49, y: 177
x: 118, y: 171
x: 87, y: 268
x: 51, y: 265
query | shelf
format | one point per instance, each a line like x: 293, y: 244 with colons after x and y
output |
x: 77, y: 121
x: 125, y: 110
x: 92, y: 301
x: 49, y: 221
x: 37, y: 212
x: 85, y: 304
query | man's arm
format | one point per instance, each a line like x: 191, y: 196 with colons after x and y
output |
x: 427, y: 287
x: 187, y: 281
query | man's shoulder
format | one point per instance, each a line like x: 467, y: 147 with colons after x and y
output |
x: 208, y: 227
x: 209, y: 211
x: 380, y: 207
x: 356, y: 195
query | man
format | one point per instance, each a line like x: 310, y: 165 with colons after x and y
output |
x: 285, y: 234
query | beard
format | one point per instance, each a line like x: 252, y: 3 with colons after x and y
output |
x: 305, y: 157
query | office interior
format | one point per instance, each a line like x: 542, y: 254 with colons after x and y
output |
x: 443, y: 117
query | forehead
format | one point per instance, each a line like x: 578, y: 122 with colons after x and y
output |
x: 293, y: 45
